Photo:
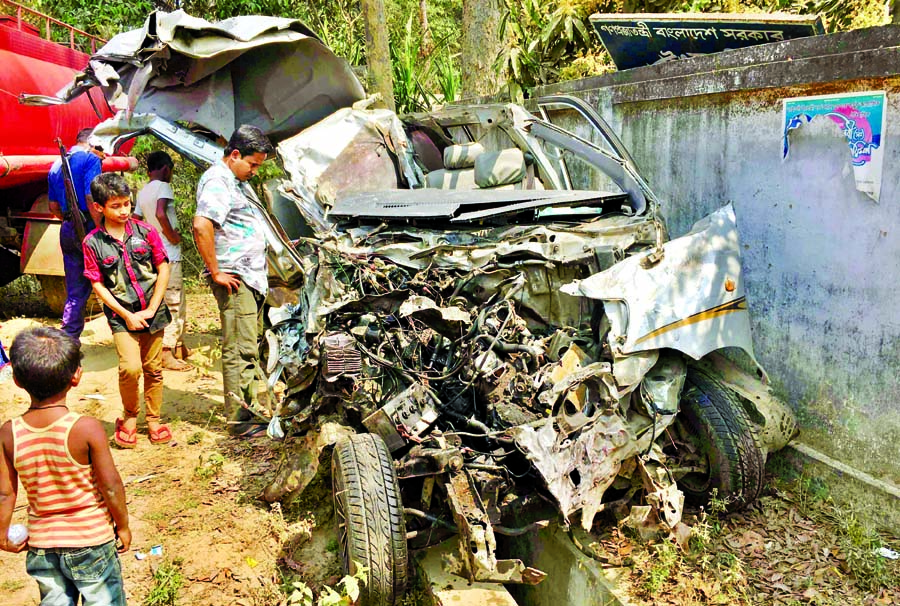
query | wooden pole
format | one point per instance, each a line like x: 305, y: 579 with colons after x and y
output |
x: 480, y: 45
x: 378, y: 55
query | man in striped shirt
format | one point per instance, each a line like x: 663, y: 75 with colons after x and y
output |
x: 76, y: 500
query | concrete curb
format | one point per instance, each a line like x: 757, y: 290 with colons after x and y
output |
x: 572, y: 576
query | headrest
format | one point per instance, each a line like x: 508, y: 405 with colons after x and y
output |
x: 462, y: 156
x: 451, y: 179
x: 499, y: 168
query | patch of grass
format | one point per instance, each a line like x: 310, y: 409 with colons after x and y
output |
x: 211, y: 467
x: 859, y: 544
x: 781, y: 467
x: 730, y: 569
x: 167, y: 581
x: 332, y: 545
x: 156, y: 516
x: 709, y: 524
x: 855, y: 540
x: 188, y: 503
x: 11, y: 586
x: 665, y: 561
x: 811, y: 494
x: 195, y: 438
x: 23, y: 297
x: 418, y: 593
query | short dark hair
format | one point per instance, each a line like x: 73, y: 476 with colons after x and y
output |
x: 159, y: 159
x: 108, y: 185
x: 83, y: 135
x: 249, y: 140
x: 44, y: 360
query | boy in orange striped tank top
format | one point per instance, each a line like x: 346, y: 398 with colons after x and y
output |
x: 76, y: 500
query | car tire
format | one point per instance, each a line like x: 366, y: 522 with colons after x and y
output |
x: 369, y: 516
x: 714, y: 420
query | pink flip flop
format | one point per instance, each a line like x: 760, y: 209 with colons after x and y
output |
x: 124, y: 438
x: 161, y: 435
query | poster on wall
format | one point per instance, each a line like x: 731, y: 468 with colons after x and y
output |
x: 860, y: 118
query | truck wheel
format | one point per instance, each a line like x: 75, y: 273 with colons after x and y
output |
x: 53, y: 289
x: 369, y: 515
x: 9, y: 266
x: 714, y: 421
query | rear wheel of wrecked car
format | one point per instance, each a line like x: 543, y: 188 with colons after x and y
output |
x: 369, y: 516
x: 715, y: 423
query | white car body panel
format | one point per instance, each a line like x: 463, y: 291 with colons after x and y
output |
x: 693, y: 300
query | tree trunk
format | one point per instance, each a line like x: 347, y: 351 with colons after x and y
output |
x: 426, y: 33
x: 481, y: 44
x: 378, y: 55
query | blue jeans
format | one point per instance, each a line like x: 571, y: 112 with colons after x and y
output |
x: 64, y: 573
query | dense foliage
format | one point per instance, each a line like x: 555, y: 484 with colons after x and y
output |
x: 545, y: 40
x: 552, y: 41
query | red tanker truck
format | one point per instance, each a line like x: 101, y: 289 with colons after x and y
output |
x: 33, y: 62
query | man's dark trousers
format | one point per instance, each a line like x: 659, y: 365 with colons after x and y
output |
x: 78, y: 288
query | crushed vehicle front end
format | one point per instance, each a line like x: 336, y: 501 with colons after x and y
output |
x: 512, y: 346
x: 479, y: 310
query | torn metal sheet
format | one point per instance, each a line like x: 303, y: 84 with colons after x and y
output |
x: 449, y: 321
x: 579, y: 469
x: 661, y: 492
x: 479, y: 545
x: 693, y: 300
x: 300, y: 461
x: 271, y: 72
x: 308, y: 155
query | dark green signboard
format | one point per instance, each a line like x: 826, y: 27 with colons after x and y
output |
x: 635, y: 40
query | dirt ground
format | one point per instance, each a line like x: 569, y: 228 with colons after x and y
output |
x: 195, y: 497
x: 197, y: 500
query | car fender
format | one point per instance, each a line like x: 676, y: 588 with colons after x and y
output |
x: 692, y: 300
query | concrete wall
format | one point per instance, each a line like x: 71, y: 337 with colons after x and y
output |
x: 821, y: 260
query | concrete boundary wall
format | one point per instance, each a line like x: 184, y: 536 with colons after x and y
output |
x: 821, y: 259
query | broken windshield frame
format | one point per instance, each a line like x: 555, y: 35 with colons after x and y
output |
x: 593, y: 119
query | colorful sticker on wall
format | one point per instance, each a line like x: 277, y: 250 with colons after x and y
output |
x: 860, y: 117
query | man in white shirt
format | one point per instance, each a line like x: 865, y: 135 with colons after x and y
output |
x: 156, y: 206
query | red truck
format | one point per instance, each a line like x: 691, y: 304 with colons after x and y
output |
x: 33, y: 62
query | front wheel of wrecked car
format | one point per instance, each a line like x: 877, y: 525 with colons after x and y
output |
x: 722, y: 440
x: 369, y: 516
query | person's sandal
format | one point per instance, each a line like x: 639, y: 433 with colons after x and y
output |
x: 160, y: 435
x: 248, y: 431
x: 177, y: 365
x: 170, y: 362
x: 124, y: 438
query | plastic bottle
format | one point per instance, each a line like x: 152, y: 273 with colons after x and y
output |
x: 17, y: 534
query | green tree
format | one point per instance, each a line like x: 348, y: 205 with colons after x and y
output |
x: 481, y: 42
